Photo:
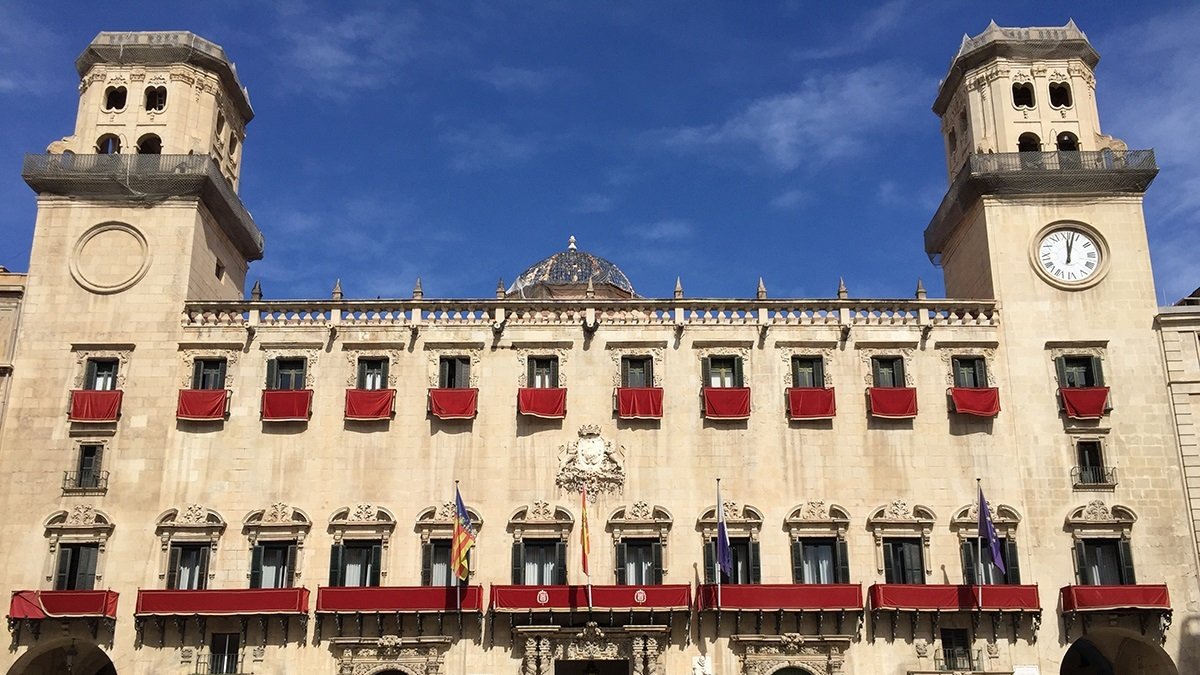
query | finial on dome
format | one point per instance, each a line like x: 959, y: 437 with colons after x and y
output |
x: 921, y: 295
x: 678, y: 288
x: 500, y: 289
x: 418, y: 292
x: 842, y: 292
x: 256, y: 292
x: 337, y: 289
x: 761, y: 293
x: 571, y: 243
x: 591, y: 289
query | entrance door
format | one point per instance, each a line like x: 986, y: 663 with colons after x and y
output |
x: 592, y: 668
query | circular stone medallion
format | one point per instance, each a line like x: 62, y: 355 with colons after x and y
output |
x: 110, y: 258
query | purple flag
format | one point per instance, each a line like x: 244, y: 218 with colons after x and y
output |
x: 987, y: 530
x: 724, y: 551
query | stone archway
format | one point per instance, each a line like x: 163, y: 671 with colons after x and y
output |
x: 62, y: 656
x: 1112, y: 652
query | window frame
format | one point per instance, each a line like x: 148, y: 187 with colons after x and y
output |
x: 175, y: 565
x: 454, y: 371
x: 96, y: 465
x: 110, y: 91
x: 742, y: 522
x: 899, y: 551
x: 539, y: 365
x: 1027, y: 86
x: 160, y: 102
x: 275, y: 373
x: 1121, y: 548
x: 895, y: 367
x: 655, y: 553
x: 1064, y: 86
x: 69, y: 573
x: 225, y: 661
x: 92, y: 373
x: 1092, y: 366
x: 339, y: 562
x: 193, y: 525
x: 372, y: 370
x: 736, y: 371
x: 520, y: 556
x: 258, y: 554
x: 646, y: 362
x: 977, y: 368
x: 1006, y: 520
x: 1097, y: 522
x: 897, y: 520
x: 817, y: 371
x: 81, y: 525
x: 210, y: 367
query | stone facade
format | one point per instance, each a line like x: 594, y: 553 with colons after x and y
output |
x: 155, y: 287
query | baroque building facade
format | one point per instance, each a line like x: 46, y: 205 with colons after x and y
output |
x: 203, y: 483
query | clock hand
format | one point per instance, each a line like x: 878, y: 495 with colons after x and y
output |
x: 1070, y: 242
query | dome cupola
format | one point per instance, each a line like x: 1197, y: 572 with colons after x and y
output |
x: 567, y: 274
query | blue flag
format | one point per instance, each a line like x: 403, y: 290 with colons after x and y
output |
x: 987, y: 530
x: 724, y: 551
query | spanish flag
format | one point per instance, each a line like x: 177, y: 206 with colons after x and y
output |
x: 464, y: 538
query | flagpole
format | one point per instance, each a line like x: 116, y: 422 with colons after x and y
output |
x: 979, y: 543
x: 587, y: 566
x: 717, y: 547
x: 457, y: 581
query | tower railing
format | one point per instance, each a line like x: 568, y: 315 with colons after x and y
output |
x: 1100, y: 160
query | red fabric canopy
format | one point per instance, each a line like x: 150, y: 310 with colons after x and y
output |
x: 225, y: 602
x: 286, y: 405
x: 727, y: 403
x: 772, y: 597
x: 453, y: 404
x: 639, y: 403
x: 202, y: 404
x: 575, y: 598
x: 369, y: 404
x: 979, y: 401
x: 946, y: 598
x: 1084, y: 403
x: 893, y: 402
x: 551, y: 403
x: 62, y: 604
x: 811, y: 403
x: 392, y: 599
x: 1108, y: 598
x: 95, y: 406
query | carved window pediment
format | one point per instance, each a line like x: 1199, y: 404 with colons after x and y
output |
x: 437, y: 522
x: 277, y: 521
x: 83, y: 524
x: 741, y: 520
x: 541, y: 520
x: 640, y: 520
x: 193, y: 522
x: 966, y: 520
x: 362, y: 521
x: 1097, y: 519
x: 817, y: 519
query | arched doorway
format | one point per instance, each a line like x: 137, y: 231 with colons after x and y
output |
x: 791, y: 671
x: 1084, y: 658
x: 62, y: 657
x: 1113, y: 653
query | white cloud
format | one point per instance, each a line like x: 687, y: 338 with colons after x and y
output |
x: 508, y: 79
x: 671, y: 229
x: 859, y: 37
x: 357, y: 50
x: 482, y: 146
x: 594, y: 203
x: 791, y: 199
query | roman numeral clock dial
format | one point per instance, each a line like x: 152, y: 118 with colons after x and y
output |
x: 1070, y: 257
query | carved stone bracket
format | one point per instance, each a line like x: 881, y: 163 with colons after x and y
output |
x: 765, y: 654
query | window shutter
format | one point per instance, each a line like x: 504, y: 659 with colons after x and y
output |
x: 656, y: 552
x: 625, y: 371
x: 336, y: 570
x: 797, y: 562
x: 89, y: 378
x: 968, y: 562
x: 289, y: 572
x: 376, y: 564
x: 427, y: 564
x: 1097, y: 371
x: 981, y: 372
x: 738, y: 378
x: 876, y: 373
x: 202, y: 577
x: 889, y: 565
x: 272, y: 374
x: 518, y: 563
x: 221, y: 365
x: 710, y: 561
x: 531, y: 376
x: 85, y: 576
x: 705, y: 372
x: 197, y: 374
x: 1060, y: 367
x: 173, y: 567
x: 444, y: 373
x: 1012, y: 566
x: 648, y: 371
x: 554, y: 374
x: 843, y: 562
x: 300, y: 380
x: 463, y: 380
x: 621, y: 550
x: 898, y: 372
x: 88, y: 463
x: 62, y: 580
x: 362, y: 373
x: 755, y: 563
x: 256, y: 561
x: 1081, y: 566
x: 560, y: 563
x: 796, y: 377
x: 914, y: 566
x: 384, y: 364
x: 819, y: 372
x: 1126, y: 554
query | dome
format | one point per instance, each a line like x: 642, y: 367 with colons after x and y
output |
x: 566, y: 274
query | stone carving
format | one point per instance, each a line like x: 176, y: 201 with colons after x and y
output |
x: 973, y: 513
x: 541, y: 511
x: 392, y: 357
x: 523, y: 356
x: 814, y: 510
x: 121, y: 356
x: 988, y: 354
x: 905, y: 353
x: 591, y: 631
x: 446, y: 511
x: 640, y: 511
x: 192, y: 514
x: 701, y: 665
x: 82, y: 514
x: 993, y: 650
x: 656, y: 358
x: 362, y: 513
x: 826, y: 356
x: 277, y: 513
x: 899, y: 510
x: 309, y: 355
x: 1097, y: 510
x: 742, y: 352
x: 590, y: 461
x: 435, y: 365
x: 188, y: 361
x: 922, y: 646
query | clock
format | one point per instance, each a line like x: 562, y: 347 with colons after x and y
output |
x: 1070, y: 256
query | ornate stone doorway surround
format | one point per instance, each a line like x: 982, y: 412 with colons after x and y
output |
x: 767, y: 654
x: 642, y: 646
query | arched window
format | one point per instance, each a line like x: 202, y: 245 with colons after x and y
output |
x: 108, y: 144
x: 902, y: 541
x: 156, y: 98
x: 150, y: 144
x: 966, y: 524
x: 952, y: 141
x: 189, y: 537
x: 1060, y: 95
x: 276, y: 536
x: 77, y: 541
x: 540, y: 533
x: 233, y: 143
x: 743, y: 523
x: 1067, y: 142
x: 819, y: 551
x: 114, y: 99
x: 435, y: 524
x: 1029, y: 142
x: 1022, y: 93
x: 220, y: 123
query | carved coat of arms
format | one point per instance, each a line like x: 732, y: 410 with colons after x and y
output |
x: 592, y: 461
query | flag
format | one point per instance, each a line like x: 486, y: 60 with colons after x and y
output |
x: 987, y: 531
x: 586, y: 546
x: 464, y: 538
x: 724, y: 551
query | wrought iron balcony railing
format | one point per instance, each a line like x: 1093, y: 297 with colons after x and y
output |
x: 1101, y: 160
x: 1093, y: 476
x: 85, y: 481
x: 956, y: 659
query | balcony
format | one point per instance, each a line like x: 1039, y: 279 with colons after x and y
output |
x: 1093, y: 477
x: 148, y: 177
x: 453, y: 404
x: 1144, y: 601
x: 1084, y: 403
x: 548, y: 403
x: 341, y: 602
x: 639, y: 403
x: 286, y: 405
x: 91, y: 406
x: 976, y: 401
x: 202, y: 404
x: 30, y: 608
x: 726, y: 403
x: 957, y: 660
x: 650, y: 598
x: 780, y: 597
x: 897, y: 403
x: 1014, y: 600
x: 85, y: 482
x: 811, y: 403
x: 261, y: 603
x: 370, y: 404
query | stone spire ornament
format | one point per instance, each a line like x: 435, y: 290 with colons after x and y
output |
x: 418, y: 292
x: 842, y: 292
x: 920, y: 289
x: 500, y: 289
x: 571, y: 243
x: 591, y: 289
x: 256, y: 292
x: 678, y: 289
x: 337, y: 289
x: 761, y: 293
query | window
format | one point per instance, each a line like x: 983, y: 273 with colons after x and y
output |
x: 952, y: 141
x: 1022, y: 93
x: 747, y: 563
x: 1029, y: 143
x: 286, y: 374
x: 888, y: 371
x: 903, y: 561
x: 722, y: 372
x: 454, y: 372
x: 808, y: 371
x: 1091, y: 469
x: 539, y: 562
x: 543, y: 372
x: 971, y: 547
x: 114, y: 98
x: 233, y: 143
x: 355, y: 563
x: 208, y: 374
x: 224, y: 655
x: 1060, y: 95
x: 820, y: 561
x: 76, y: 567
x: 639, y: 562
x: 150, y: 144
x: 436, y: 567
x: 272, y: 564
x: 88, y: 469
x: 101, y: 375
x: 220, y: 123
x: 187, y: 567
x: 108, y: 144
x: 637, y: 371
x: 956, y: 649
x: 156, y: 98
x: 1079, y: 371
x: 372, y: 373
x: 1104, y: 562
x: 219, y: 272
x: 969, y: 371
x: 1067, y: 142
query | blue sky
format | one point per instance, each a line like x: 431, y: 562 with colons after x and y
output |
x: 719, y: 142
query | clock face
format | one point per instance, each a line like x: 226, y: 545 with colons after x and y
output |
x: 1068, y: 255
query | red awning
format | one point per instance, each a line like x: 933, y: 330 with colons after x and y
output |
x: 575, y: 598
x: 1084, y: 403
x: 639, y: 403
x: 38, y: 605
x: 202, y: 404
x: 385, y: 599
x: 893, y: 402
x: 787, y: 597
x: 811, y: 403
x: 978, y: 401
x: 947, y: 598
x: 453, y: 404
x: 95, y: 406
x: 1110, y: 598
x: 550, y: 403
x: 286, y: 405
x: 226, y: 602
x: 727, y: 403
x: 369, y: 404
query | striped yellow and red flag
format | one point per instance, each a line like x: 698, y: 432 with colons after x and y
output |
x: 464, y: 538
